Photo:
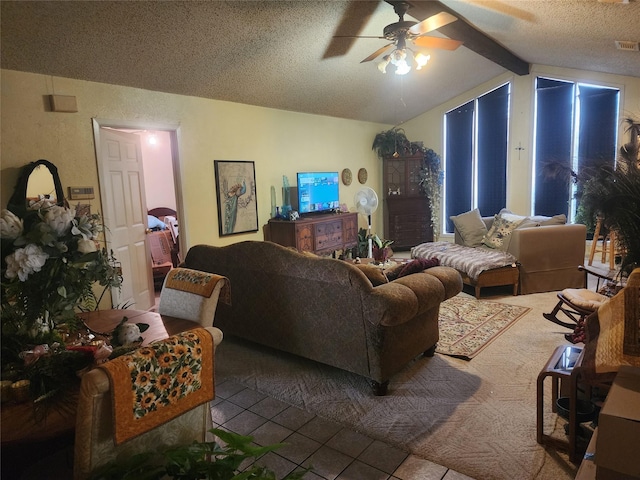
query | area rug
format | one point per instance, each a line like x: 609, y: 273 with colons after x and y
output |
x: 477, y: 418
x: 467, y: 325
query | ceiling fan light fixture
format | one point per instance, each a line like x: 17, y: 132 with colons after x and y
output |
x: 421, y: 60
x: 382, y: 66
x: 399, y: 59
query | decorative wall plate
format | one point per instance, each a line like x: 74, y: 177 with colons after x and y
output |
x: 346, y: 176
x: 363, y: 175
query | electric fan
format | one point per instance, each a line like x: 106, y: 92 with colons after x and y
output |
x: 366, y: 201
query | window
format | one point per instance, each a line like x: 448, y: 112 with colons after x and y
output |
x: 575, y: 131
x: 475, y: 155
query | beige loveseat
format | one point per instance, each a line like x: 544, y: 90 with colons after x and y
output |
x: 325, y: 309
x: 545, y: 250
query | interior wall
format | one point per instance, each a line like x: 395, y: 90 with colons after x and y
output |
x: 429, y: 126
x: 158, y: 169
x: 279, y: 142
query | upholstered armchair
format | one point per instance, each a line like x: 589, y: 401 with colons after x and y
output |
x: 193, y: 295
x: 99, y: 435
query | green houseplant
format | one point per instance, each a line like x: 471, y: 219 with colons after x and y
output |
x: 612, y: 192
x: 198, y: 460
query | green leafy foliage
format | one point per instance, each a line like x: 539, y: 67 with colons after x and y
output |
x: 613, y: 193
x: 199, y: 460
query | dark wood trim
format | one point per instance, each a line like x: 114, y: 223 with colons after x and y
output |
x: 473, y: 38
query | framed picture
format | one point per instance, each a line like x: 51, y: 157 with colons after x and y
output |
x: 236, y: 193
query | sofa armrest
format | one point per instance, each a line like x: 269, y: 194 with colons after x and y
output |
x: 404, y: 298
x: 549, y: 247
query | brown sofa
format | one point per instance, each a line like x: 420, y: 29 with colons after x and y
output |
x: 325, y: 309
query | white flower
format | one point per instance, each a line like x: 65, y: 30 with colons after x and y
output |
x: 25, y: 261
x: 10, y: 225
x: 41, y: 203
x: 59, y: 219
x: 87, y: 246
x: 87, y: 226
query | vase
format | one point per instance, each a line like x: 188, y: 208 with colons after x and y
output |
x: 380, y: 255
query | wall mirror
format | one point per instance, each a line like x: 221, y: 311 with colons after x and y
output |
x: 37, y: 179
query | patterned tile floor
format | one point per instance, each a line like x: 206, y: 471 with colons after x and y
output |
x: 335, y: 452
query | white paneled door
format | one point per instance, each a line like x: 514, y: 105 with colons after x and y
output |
x: 124, y: 211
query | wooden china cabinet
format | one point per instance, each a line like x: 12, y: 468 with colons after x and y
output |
x: 407, y: 215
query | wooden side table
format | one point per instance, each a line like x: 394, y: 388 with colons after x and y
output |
x: 564, y: 365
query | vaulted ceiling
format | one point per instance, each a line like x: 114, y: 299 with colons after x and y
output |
x: 282, y: 54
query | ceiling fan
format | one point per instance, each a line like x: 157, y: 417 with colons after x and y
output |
x: 437, y: 16
x: 402, y: 32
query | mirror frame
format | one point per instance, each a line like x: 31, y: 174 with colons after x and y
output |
x: 18, y: 201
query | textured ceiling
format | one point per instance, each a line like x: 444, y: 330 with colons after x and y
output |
x: 270, y: 53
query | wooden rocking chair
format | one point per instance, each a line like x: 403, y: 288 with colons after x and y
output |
x: 578, y: 303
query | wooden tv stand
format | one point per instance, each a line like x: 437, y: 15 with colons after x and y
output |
x: 320, y: 234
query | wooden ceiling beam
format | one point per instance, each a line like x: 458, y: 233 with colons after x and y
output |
x: 473, y: 38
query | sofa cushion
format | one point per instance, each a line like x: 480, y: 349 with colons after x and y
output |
x: 470, y: 227
x: 499, y: 235
x: 375, y: 275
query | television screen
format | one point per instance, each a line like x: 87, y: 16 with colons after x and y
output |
x: 318, y: 192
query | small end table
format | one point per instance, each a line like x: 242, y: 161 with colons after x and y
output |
x: 563, y: 366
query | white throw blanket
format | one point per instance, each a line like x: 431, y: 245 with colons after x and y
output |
x: 470, y: 260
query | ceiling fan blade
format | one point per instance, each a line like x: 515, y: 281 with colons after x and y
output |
x: 355, y: 17
x: 377, y: 53
x: 437, y: 42
x: 432, y: 23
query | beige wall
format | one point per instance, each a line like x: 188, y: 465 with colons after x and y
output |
x: 280, y: 143
x: 429, y: 126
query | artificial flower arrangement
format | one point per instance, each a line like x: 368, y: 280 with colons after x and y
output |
x: 51, y: 260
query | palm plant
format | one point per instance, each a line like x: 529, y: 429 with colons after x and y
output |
x: 613, y: 193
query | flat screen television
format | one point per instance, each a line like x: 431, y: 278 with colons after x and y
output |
x: 318, y: 192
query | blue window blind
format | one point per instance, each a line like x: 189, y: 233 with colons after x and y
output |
x: 476, y: 155
x: 576, y: 129
x: 493, y: 118
x: 459, y: 161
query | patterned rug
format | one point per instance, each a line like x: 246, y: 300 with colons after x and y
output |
x: 468, y: 325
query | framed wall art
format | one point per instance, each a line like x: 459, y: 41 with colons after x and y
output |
x: 236, y: 194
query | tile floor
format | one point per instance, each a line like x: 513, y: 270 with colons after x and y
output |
x: 334, y: 452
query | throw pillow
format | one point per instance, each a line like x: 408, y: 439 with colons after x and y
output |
x: 555, y: 220
x: 375, y: 275
x: 499, y: 235
x: 470, y: 227
x: 414, y: 266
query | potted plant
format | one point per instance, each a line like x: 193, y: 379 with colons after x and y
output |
x: 613, y: 193
x: 380, y: 249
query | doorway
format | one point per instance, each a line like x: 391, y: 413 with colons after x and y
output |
x: 157, y: 184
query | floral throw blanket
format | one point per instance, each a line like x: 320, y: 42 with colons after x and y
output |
x: 200, y: 283
x: 470, y: 260
x: 159, y: 382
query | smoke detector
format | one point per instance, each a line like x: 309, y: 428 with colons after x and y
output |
x: 627, y: 46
